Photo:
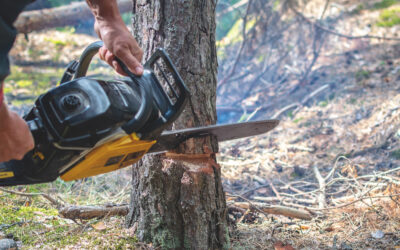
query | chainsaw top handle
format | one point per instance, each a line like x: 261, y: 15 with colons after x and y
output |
x: 143, y: 114
x: 151, y: 91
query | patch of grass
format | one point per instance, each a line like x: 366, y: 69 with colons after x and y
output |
x: 323, y: 104
x: 362, y: 74
x: 297, y: 120
x: 243, y: 117
x: 33, y: 53
x: 56, y: 42
x: 34, y: 81
x: 24, y: 83
x: 353, y: 101
x: 12, y: 214
x: 358, y: 9
x: 389, y: 17
x: 60, y: 43
x: 395, y: 154
x: 385, y: 4
x: 261, y: 58
x: 22, y: 221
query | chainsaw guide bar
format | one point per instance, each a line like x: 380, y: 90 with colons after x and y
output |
x: 171, y: 139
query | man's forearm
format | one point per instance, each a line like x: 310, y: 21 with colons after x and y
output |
x: 105, y: 10
x: 118, y: 40
x: 3, y: 114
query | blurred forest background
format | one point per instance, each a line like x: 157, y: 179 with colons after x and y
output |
x: 326, y: 177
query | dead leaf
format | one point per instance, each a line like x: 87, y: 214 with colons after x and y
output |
x: 99, y: 226
x: 280, y: 246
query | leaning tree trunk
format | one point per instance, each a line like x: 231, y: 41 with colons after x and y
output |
x: 72, y: 14
x: 177, y: 199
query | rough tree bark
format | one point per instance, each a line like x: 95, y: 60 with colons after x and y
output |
x: 177, y: 200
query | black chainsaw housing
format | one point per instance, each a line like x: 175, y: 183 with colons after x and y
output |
x: 73, y: 117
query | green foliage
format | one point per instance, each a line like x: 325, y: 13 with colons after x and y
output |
x: 57, y: 3
x: 395, y: 154
x: 127, y: 18
x: 66, y: 29
x: 235, y: 33
x: 389, y: 18
x: 385, y: 4
x: 276, y: 4
x: 226, y: 21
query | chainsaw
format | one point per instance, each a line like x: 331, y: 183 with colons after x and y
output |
x: 86, y: 126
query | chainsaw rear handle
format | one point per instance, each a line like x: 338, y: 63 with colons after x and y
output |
x: 143, y: 114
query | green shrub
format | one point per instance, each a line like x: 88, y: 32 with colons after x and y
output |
x: 389, y: 18
x: 385, y: 4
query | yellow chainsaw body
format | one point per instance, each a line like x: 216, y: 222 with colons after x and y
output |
x: 110, y: 156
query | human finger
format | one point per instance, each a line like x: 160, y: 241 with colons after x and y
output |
x: 133, y: 64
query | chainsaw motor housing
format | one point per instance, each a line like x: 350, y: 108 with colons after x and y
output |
x: 88, y: 126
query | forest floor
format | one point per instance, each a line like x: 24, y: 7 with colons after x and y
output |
x: 335, y: 157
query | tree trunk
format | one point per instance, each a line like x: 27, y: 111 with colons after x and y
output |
x: 177, y: 199
x: 71, y: 14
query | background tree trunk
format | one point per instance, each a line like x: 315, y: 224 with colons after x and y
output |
x: 177, y: 198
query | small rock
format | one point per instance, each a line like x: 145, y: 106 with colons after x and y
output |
x: 8, y: 244
x: 2, y: 235
x: 378, y: 234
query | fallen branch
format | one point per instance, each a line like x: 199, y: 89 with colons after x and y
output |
x: 355, y: 201
x: 90, y: 212
x: 71, y: 14
x: 274, y: 209
x: 46, y: 196
x: 275, y: 199
x: 283, y: 110
x: 322, y: 187
x: 314, y: 93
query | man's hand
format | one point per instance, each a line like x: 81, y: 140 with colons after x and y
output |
x: 15, y: 137
x: 118, y: 41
